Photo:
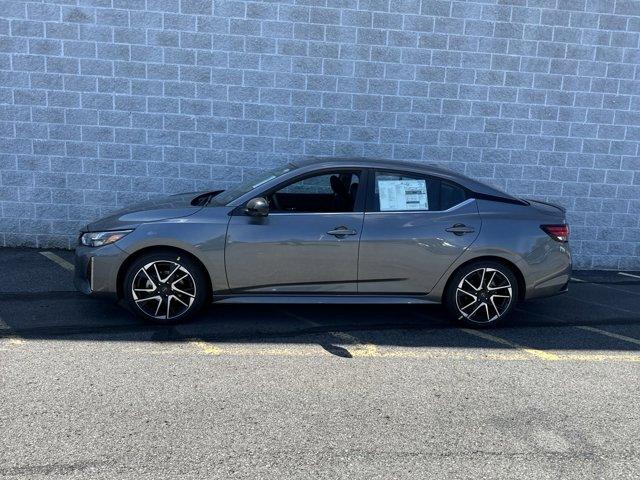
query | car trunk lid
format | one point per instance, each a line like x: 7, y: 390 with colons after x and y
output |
x: 547, y: 208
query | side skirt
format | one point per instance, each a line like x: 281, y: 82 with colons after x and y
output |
x: 322, y: 299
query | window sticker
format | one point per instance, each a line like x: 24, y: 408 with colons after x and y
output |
x: 403, y: 195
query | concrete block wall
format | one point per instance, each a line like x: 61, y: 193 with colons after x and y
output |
x: 107, y: 102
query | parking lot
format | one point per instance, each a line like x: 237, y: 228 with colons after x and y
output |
x: 294, y: 391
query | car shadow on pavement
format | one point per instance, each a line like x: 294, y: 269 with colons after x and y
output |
x: 561, y: 323
x: 600, y: 312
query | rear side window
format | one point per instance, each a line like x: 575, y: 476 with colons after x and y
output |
x: 451, y: 195
x: 403, y: 192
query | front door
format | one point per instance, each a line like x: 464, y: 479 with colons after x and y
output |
x: 308, y: 243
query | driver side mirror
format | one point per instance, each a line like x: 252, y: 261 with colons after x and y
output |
x: 257, y: 207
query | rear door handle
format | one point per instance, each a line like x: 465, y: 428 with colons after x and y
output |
x: 341, y: 231
x: 460, y: 229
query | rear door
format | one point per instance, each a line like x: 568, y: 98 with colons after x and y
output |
x: 414, y: 228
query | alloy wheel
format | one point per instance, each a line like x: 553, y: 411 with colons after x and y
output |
x: 163, y: 289
x: 483, y: 295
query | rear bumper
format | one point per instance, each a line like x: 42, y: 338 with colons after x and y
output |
x: 556, y: 280
x: 96, y: 270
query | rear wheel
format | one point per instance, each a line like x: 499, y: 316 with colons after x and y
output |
x: 481, y: 294
x: 165, y: 287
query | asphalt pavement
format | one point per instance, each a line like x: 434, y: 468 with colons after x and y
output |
x: 300, y: 391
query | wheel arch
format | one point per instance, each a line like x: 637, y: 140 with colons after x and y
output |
x: 122, y: 271
x: 522, y: 285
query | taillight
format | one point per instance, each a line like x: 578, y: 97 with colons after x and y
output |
x: 560, y: 233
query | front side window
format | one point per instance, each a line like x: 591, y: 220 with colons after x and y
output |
x: 322, y: 193
x: 405, y: 192
x: 249, y: 184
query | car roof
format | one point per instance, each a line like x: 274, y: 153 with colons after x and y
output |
x: 403, y: 165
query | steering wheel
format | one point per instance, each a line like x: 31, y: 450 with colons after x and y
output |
x: 274, y: 199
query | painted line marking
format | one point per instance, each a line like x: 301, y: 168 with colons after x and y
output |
x: 628, y: 274
x: 600, y: 285
x: 240, y: 350
x: 604, y: 305
x: 502, y: 341
x: 235, y: 350
x: 10, y: 338
x: 359, y: 348
x: 59, y: 260
x: 617, y: 336
x: 564, y: 323
x: 206, y: 348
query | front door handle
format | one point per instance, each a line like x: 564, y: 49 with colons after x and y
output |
x: 341, y: 232
x: 460, y: 229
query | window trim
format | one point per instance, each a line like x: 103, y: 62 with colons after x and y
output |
x: 371, y: 190
x: 455, y: 207
x: 358, y: 207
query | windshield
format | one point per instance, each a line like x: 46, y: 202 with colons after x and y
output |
x: 249, y: 184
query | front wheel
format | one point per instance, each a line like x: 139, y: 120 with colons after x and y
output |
x: 481, y: 294
x: 165, y: 287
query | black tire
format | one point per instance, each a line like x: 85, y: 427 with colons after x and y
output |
x: 188, y: 294
x: 489, y: 307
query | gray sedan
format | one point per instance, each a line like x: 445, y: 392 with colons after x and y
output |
x: 331, y: 231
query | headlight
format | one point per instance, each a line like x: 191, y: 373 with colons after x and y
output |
x: 98, y: 239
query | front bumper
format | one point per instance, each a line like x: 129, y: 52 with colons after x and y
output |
x: 96, y: 269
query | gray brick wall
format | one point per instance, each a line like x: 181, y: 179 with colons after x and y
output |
x: 106, y: 102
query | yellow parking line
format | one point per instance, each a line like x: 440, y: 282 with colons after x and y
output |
x: 502, y: 341
x: 358, y: 348
x: 206, y: 347
x: 11, y: 339
x: 617, y: 336
x: 59, y: 260
x: 271, y: 350
x: 599, y: 357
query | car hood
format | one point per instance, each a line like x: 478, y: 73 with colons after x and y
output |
x: 173, y: 206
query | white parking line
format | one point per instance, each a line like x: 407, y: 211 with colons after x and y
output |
x: 503, y: 341
x: 598, y: 304
x: 628, y: 274
x: 59, y: 260
x: 617, y: 336
x: 587, y: 328
x: 600, y: 285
